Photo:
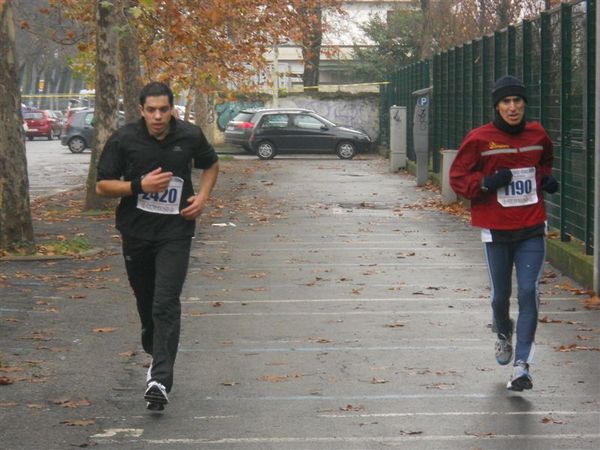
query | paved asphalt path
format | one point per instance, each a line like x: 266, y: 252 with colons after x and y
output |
x: 52, y: 168
x: 334, y: 305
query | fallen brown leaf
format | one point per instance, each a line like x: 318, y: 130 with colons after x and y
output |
x: 4, y: 381
x: 479, y: 434
x: 352, y: 408
x: 395, y: 325
x: 575, y: 347
x: 78, y: 422
x: 104, y: 330
x: 552, y: 420
x: 67, y: 403
x: 592, y: 302
x: 546, y: 319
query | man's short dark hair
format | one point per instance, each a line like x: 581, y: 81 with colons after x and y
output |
x: 155, y: 89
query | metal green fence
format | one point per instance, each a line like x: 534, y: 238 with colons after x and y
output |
x: 554, y: 55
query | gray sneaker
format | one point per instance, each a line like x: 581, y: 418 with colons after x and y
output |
x: 503, y: 348
x: 520, y: 378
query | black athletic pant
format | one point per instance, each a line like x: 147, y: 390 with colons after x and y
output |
x: 156, y: 272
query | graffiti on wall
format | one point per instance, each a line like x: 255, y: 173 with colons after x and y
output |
x: 227, y: 111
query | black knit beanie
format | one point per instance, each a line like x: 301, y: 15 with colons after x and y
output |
x: 508, y: 86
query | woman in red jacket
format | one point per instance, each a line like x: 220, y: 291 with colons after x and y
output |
x: 503, y: 167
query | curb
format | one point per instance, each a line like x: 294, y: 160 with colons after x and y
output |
x: 86, y: 254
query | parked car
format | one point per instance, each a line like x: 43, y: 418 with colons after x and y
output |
x: 79, y: 129
x: 240, y: 128
x: 59, y: 116
x: 41, y: 123
x: 268, y: 132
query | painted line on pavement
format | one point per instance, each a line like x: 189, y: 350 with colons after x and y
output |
x: 460, y: 413
x: 394, y: 397
x: 357, y: 440
x: 447, y: 265
x: 335, y: 349
x: 417, y: 298
x: 402, y: 313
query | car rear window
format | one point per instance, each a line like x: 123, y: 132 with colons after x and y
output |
x: 33, y: 115
x: 89, y: 118
x: 243, y: 117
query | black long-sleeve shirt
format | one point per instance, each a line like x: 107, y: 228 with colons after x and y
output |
x: 131, y: 152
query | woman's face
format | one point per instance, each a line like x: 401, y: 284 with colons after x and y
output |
x: 511, y: 109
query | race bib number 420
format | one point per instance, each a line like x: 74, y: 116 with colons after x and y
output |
x: 165, y: 202
x: 521, y: 191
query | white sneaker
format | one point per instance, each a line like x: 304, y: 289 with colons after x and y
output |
x: 156, y: 393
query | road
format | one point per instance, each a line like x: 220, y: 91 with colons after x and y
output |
x: 52, y: 168
x: 329, y: 306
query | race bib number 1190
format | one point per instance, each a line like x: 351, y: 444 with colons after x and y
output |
x: 521, y: 191
x: 165, y: 202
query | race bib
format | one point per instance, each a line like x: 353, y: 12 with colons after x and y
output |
x: 521, y: 191
x: 165, y: 202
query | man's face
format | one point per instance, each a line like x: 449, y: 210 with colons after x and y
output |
x: 511, y: 109
x: 156, y: 111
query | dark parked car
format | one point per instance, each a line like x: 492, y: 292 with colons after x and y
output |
x: 79, y: 129
x: 41, y: 123
x: 240, y: 128
x: 281, y: 130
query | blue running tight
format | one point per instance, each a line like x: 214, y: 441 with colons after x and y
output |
x: 527, y: 256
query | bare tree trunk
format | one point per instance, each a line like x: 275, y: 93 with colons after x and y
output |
x: 426, y: 31
x: 15, y: 213
x: 311, y: 47
x: 503, y: 14
x: 131, y: 76
x: 482, y: 16
x: 205, y: 114
x: 107, y: 101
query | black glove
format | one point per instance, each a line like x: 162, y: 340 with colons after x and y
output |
x: 500, y: 179
x: 549, y: 184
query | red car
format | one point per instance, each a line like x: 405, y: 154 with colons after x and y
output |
x: 41, y: 123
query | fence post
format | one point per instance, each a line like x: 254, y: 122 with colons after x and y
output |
x: 545, y: 67
x: 565, y: 110
x: 588, y: 115
x: 526, y: 51
x: 596, y: 271
x: 511, y: 50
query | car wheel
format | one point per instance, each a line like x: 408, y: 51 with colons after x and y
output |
x: 77, y: 145
x: 346, y: 150
x: 266, y: 150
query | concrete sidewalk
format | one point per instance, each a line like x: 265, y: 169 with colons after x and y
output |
x: 329, y: 305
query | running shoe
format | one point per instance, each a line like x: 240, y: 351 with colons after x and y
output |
x: 156, y: 396
x: 503, y: 348
x: 520, y: 378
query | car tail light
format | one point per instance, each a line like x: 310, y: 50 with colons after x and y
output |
x: 245, y: 125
